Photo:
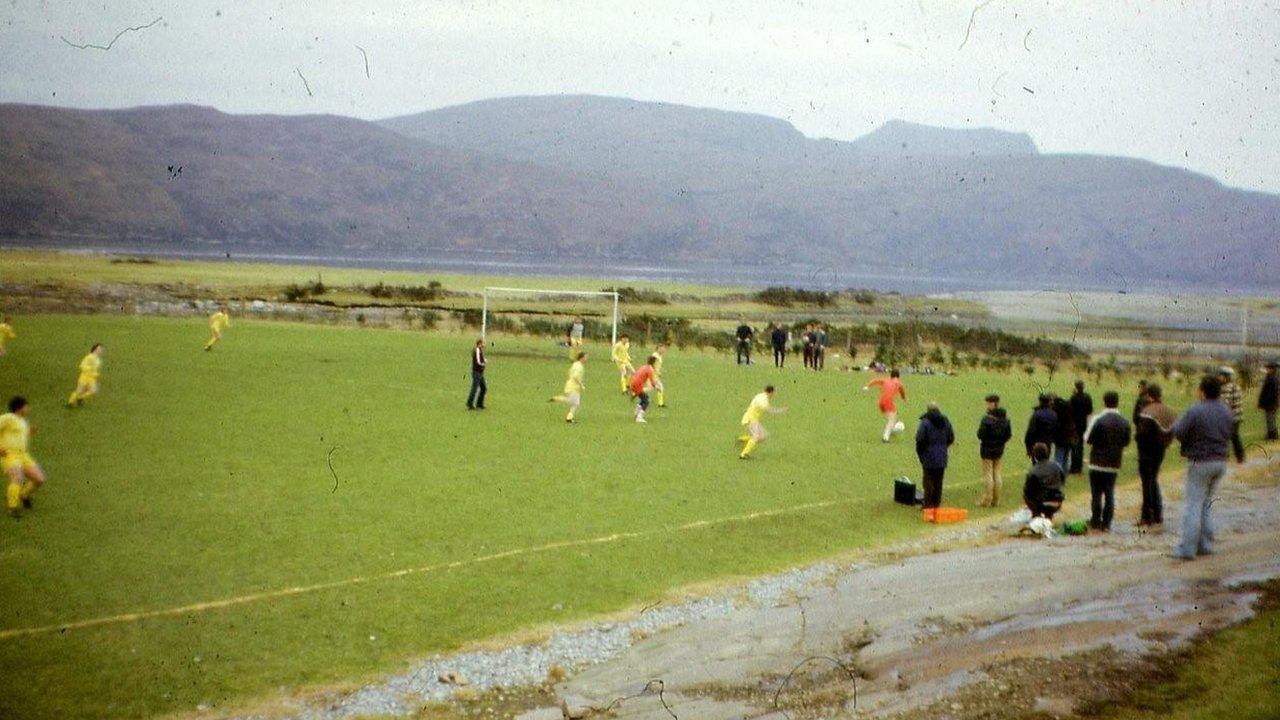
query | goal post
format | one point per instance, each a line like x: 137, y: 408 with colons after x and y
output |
x: 500, y: 291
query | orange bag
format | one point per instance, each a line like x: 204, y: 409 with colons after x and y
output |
x: 943, y: 515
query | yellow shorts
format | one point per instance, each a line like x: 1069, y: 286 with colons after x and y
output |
x: 756, y: 430
x: 16, y: 459
x: 91, y: 380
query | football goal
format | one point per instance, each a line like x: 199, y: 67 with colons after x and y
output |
x: 563, y: 303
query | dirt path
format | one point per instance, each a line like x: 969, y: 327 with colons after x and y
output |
x: 961, y: 625
x: 899, y: 637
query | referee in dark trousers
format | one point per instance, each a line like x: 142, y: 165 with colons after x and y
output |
x: 475, y: 398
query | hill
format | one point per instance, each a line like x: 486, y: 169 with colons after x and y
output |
x: 904, y: 198
x: 182, y: 174
x: 607, y: 179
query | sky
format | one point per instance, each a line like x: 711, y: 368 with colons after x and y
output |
x: 1194, y: 84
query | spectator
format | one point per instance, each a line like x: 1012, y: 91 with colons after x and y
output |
x: 810, y: 340
x: 1234, y: 400
x: 479, y: 388
x: 994, y: 433
x: 1081, y: 408
x: 1107, y: 435
x: 1042, y: 490
x: 933, y: 437
x: 1204, y: 431
x: 779, y: 339
x: 1042, y: 426
x: 1269, y: 398
x: 820, y: 348
x: 1151, y: 435
x: 744, y: 335
x: 1140, y: 401
x: 1064, y: 436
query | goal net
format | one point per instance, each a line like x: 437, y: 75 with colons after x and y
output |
x: 563, y: 308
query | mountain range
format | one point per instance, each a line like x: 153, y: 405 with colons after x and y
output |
x: 587, y: 177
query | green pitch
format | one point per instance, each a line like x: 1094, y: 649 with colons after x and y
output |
x: 198, y: 477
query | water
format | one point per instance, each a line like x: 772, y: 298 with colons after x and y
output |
x: 811, y: 276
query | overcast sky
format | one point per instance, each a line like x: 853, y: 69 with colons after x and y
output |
x: 1195, y: 84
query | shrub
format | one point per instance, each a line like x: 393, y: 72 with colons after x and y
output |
x: 635, y: 295
x: 433, y: 290
x: 787, y: 297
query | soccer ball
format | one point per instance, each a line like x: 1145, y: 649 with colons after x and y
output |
x: 899, y: 426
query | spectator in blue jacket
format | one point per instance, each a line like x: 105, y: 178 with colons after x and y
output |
x: 1204, y: 431
x: 933, y: 438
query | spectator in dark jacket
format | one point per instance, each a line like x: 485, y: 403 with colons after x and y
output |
x: 1152, y: 435
x: 1234, y: 400
x: 1042, y: 491
x: 1107, y: 435
x: 479, y: 388
x: 1042, y: 426
x: 1081, y: 408
x: 1269, y: 399
x: 994, y: 433
x: 933, y: 438
x: 1204, y: 431
x: 778, y: 339
x: 1064, y: 436
x: 1140, y: 401
x: 745, y: 335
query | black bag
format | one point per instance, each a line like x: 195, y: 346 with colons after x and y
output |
x: 904, y: 491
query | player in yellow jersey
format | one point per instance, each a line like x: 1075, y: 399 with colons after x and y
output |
x: 218, y: 322
x: 660, y: 385
x: 621, y: 356
x: 756, y: 434
x: 20, y: 469
x: 6, y: 334
x: 574, y: 386
x: 90, y: 370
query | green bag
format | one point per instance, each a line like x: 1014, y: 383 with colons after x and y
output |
x: 1076, y: 527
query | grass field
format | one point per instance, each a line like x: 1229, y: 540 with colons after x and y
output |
x: 1235, y: 674
x: 199, y: 477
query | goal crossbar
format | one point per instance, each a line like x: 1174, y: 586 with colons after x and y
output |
x: 484, y: 313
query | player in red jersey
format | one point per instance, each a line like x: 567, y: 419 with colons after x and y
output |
x: 890, y: 389
x: 643, y: 379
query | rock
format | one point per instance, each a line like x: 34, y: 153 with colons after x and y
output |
x: 453, y: 678
x: 541, y: 714
x: 575, y: 707
x: 1055, y: 706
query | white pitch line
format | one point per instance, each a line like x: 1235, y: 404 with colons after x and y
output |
x: 423, y: 569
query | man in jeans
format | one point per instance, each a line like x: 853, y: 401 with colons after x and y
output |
x: 1234, y: 400
x: 1204, y: 431
x: 475, y: 398
x: 1269, y: 399
x: 1107, y: 435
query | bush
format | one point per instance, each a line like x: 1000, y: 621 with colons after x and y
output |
x: 787, y: 297
x: 294, y: 292
x: 634, y: 295
x: 432, y: 291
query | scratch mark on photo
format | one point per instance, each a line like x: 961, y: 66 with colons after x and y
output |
x: 108, y: 46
